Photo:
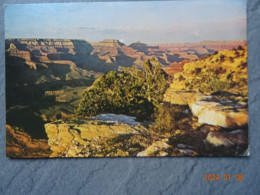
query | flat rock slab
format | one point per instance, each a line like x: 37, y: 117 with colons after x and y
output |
x: 225, y: 110
x: 71, y: 138
x: 220, y: 113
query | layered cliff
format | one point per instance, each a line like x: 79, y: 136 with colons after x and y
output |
x: 108, y: 54
x: 201, y: 46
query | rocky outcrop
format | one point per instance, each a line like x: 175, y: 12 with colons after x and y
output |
x: 225, y: 71
x: 222, y: 113
x: 44, y: 46
x: 71, y: 139
x: 23, y: 54
x: 35, y: 51
x: 213, y: 110
x: 215, y: 88
x: 20, y: 145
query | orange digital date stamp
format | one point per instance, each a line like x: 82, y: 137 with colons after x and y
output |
x: 225, y: 177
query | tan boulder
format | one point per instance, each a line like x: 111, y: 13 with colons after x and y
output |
x: 71, y: 139
x: 215, y: 113
x: 211, y: 109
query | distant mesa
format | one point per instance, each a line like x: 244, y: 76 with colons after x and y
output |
x: 141, y: 47
x: 108, y: 43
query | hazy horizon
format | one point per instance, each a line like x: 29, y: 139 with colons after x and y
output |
x: 131, y: 42
x: 148, y: 22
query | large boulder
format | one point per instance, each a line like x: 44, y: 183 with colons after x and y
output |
x: 224, y: 113
x: 70, y: 139
x: 225, y: 110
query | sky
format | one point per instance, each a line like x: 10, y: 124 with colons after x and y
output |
x: 149, y: 22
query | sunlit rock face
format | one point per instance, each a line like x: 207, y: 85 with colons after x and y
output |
x: 181, y: 97
x: 72, y: 139
x: 223, y: 113
x: 215, y: 88
x: 213, y: 110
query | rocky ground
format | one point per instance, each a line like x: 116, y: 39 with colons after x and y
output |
x: 110, y: 138
x: 113, y: 137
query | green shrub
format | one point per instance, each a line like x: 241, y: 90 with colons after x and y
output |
x: 168, y: 117
x: 133, y: 92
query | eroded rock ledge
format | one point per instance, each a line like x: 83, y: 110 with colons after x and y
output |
x: 72, y: 139
x: 222, y: 110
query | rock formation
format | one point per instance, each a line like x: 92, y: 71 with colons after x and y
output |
x: 224, y: 113
x: 108, y: 52
x: 71, y: 139
x: 201, y: 46
x: 225, y: 101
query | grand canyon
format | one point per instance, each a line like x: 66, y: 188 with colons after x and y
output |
x: 75, y: 98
